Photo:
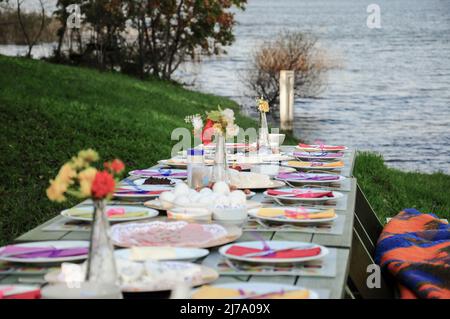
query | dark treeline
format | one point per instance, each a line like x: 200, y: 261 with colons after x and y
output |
x: 143, y: 37
x: 11, y: 31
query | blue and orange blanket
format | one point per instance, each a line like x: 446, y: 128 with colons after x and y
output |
x: 415, y: 249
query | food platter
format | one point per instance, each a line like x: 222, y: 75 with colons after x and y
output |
x: 173, y: 233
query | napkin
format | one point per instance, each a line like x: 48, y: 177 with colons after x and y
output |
x: 298, y: 194
x: 43, y: 252
x: 211, y: 292
x: 315, y: 164
x: 18, y: 292
x: 274, y: 212
x: 237, y: 250
x: 305, y: 177
x: 322, y: 147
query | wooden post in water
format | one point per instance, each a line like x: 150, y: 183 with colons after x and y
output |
x: 287, y: 100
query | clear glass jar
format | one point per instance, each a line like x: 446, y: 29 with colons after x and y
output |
x: 263, y: 137
x: 220, y: 169
x: 196, y: 167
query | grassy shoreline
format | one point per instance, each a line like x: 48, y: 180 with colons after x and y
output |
x: 49, y: 112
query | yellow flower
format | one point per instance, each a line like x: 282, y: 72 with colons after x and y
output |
x: 55, y: 192
x: 88, y: 155
x: 218, y: 127
x: 263, y: 105
x: 86, y: 177
x: 66, y: 174
x: 78, y: 162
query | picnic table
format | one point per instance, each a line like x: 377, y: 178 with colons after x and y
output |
x: 339, y: 244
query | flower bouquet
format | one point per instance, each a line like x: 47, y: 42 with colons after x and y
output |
x: 263, y: 137
x: 80, y: 179
x: 220, y: 124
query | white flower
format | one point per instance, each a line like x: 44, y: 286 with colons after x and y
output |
x: 228, y: 114
x: 232, y: 130
x: 197, y: 123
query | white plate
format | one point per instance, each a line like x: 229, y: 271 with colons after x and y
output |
x: 271, y: 170
x: 182, y: 164
x: 336, y: 195
x: 156, y: 204
x: 300, y: 181
x: 205, y: 276
x: 274, y: 244
x: 319, y: 155
x: 161, y: 172
x: 318, y: 148
x: 57, y: 244
x: 149, y: 213
x: 228, y: 145
x: 148, y: 189
x: 259, y: 288
x: 184, y: 254
x: 313, y: 167
x: 249, y: 159
x: 254, y: 213
x: 272, y: 184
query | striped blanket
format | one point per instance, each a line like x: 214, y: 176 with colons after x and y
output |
x: 414, y: 248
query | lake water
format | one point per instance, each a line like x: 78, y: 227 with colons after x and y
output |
x: 392, y: 94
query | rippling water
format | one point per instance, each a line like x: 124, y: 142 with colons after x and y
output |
x: 392, y: 94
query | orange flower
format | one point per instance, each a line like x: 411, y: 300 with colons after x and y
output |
x: 103, y: 185
x: 55, y: 192
x: 66, y: 174
x: 86, y: 178
x: 116, y: 166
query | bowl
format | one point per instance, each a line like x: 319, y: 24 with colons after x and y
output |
x: 230, y: 215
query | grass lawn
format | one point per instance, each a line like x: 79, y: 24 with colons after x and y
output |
x: 390, y: 190
x: 50, y: 112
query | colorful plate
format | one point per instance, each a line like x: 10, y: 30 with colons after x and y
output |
x: 284, y: 219
x: 276, y: 245
x: 134, y: 212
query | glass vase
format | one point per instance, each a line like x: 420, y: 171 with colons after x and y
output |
x: 263, y: 137
x: 220, y: 169
x: 101, y: 264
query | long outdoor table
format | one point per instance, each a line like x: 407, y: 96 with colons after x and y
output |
x: 327, y: 287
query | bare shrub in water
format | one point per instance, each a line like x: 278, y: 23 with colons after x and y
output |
x: 295, y: 51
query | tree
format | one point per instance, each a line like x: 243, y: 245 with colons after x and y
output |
x: 295, y: 51
x: 155, y: 36
x: 31, y: 38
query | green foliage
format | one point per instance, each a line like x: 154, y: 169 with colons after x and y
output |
x: 166, y: 33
